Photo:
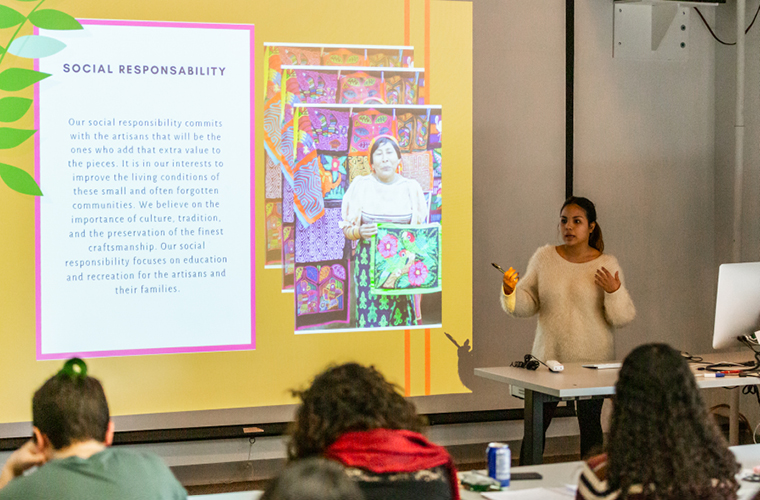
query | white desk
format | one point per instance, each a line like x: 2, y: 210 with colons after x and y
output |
x: 542, y: 386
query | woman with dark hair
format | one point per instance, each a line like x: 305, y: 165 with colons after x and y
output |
x: 579, y: 296
x: 662, y: 443
x: 313, y: 479
x: 382, y: 196
x: 353, y: 415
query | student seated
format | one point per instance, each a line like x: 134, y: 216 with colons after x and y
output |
x: 313, y: 479
x: 662, y: 443
x: 72, y: 435
x: 353, y: 415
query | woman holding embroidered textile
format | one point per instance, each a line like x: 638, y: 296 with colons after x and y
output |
x: 579, y: 296
x: 382, y: 196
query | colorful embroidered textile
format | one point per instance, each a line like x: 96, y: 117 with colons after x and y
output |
x: 330, y: 129
x: 299, y: 56
x: 323, y: 240
x: 372, y: 310
x: 357, y: 165
x: 288, y: 207
x: 400, y: 90
x: 365, y: 126
x: 272, y: 179
x: 436, y: 128
x: 412, y: 132
x: 343, y: 57
x: 273, y: 73
x: 383, y: 60
x: 406, y: 259
x: 287, y: 150
x: 418, y: 167
x: 307, y: 189
x: 357, y: 88
x: 273, y: 213
x: 437, y: 163
x: 436, y: 202
x: 322, y: 292
x: 316, y: 86
x: 288, y: 255
x: 273, y: 129
x: 334, y: 176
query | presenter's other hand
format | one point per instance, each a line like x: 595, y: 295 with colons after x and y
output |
x: 606, y: 281
x: 24, y: 458
x: 368, y: 230
x: 510, y: 281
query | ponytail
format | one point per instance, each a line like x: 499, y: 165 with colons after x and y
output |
x: 595, y: 239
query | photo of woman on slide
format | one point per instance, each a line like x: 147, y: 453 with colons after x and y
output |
x: 579, y: 296
x: 382, y: 196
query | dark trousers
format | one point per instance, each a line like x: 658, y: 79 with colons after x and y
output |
x: 589, y: 413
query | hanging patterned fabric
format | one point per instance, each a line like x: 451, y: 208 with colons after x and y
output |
x: 367, y: 125
x: 330, y: 129
x: 273, y: 215
x: 273, y: 129
x: 322, y: 293
x: 436, y: 127
x: 418, y: 167
x: 357, y: 165
x: 307, y: 179
x: 405, y: 124
x: 299, y: 56
x: 357, y: 88
x: 421, y: 129
x: 273, y: 75
x: 288, y: 255
x: 400, y: 90
x: 323, y: 240
x: 272, y: 179
x: 334, y: 176
x: 437, y: 163
x: 317, y: 86
x: 436, y: 203
x: 406, y: 260
x: 383, y: 60
x: 343, y: 57
x: 288, y: 207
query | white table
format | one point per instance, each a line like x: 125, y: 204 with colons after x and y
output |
x: 575, y: 382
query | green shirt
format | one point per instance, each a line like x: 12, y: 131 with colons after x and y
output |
x: 113, y: 474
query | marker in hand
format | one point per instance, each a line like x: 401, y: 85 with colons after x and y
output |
x: 510, y: 278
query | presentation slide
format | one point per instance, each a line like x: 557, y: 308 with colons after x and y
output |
x: 145, y: 152
x: 176, y: 178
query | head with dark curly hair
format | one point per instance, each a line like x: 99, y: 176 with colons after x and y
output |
x: 345, y: 398
x: 661, y: 436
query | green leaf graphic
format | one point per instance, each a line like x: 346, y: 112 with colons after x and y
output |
x: 10, y: 17
x: 13, y: 79
x: 18, y: 180
x: 12, y: 137
x: 51, y: 19
x: 13, y: 108
x: 35, y: 46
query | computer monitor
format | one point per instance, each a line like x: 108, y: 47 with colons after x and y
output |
x: 737, y: 306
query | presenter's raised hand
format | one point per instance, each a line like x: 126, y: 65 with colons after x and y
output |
x: 367, y: 231
x: 606, y: 281
x: 510, y: 281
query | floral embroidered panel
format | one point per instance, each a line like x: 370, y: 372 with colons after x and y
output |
x: 406, y: 259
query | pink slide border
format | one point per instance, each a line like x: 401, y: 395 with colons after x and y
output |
x: 167, y: 350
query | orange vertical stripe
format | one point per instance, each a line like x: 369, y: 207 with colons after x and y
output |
x: 407, y: 21
x: 427, y: 51
x: 407, y: 363
x: 427, y: 361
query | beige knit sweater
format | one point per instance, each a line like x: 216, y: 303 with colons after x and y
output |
x: 575, y: 317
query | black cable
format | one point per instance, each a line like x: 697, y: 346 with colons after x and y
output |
x: 716, y: 36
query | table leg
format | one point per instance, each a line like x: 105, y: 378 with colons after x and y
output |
x: 533, y: 435
x: 733, y: 417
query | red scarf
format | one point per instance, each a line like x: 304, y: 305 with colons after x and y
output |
x: 386, y: 451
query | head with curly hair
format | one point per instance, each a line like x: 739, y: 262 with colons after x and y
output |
x: 661, y: 436
x: 346, y: 398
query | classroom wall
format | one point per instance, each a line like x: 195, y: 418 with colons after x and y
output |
x: 644, y: 152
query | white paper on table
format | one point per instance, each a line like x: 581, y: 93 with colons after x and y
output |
x: 562, y: 493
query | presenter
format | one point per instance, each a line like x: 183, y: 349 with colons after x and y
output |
x: 579, y: 296
x: 382, y: 196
